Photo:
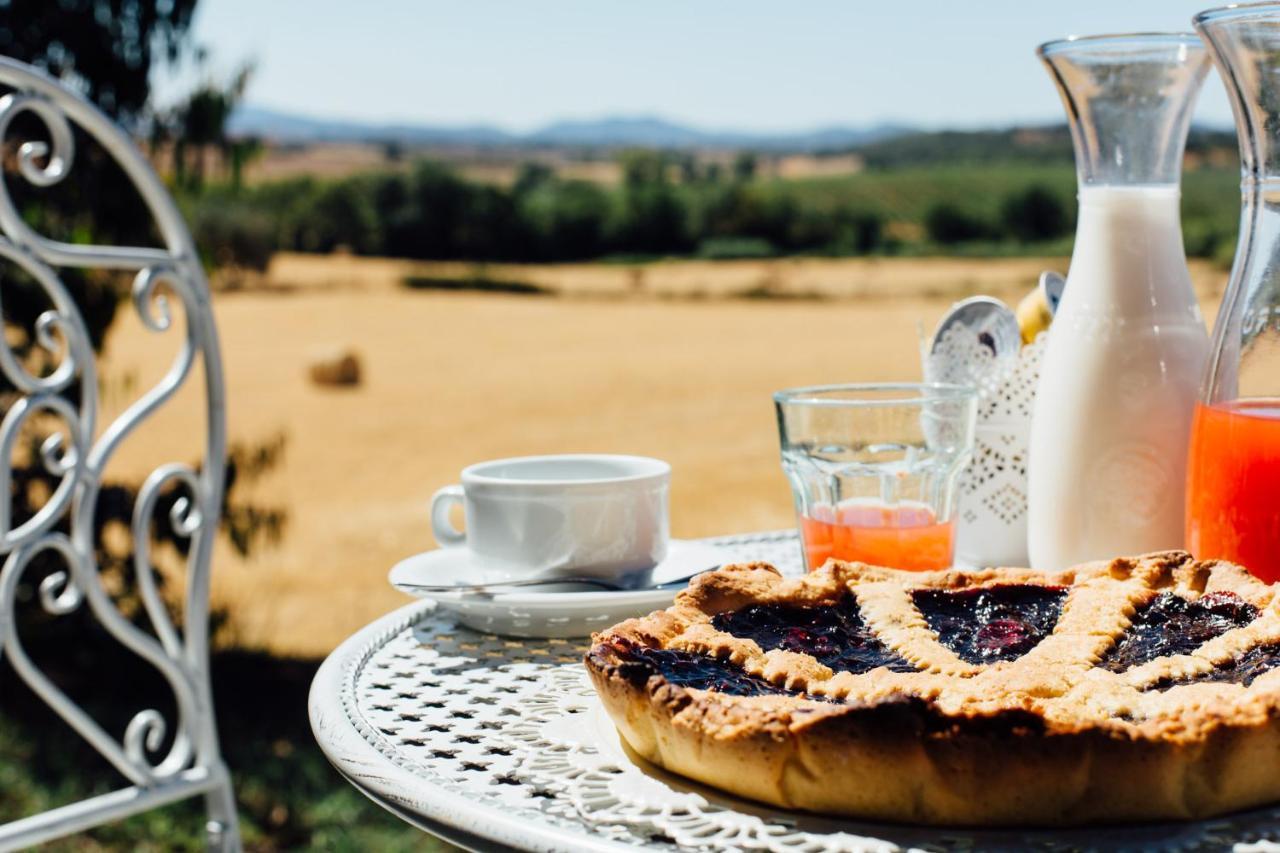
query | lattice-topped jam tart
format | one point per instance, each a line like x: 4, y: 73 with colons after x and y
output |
x: 1139, y: 689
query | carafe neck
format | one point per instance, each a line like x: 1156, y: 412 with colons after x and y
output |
x: 1128, y: 100
x: 1244, y: 42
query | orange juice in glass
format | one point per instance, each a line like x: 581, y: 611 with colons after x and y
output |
x: 904, y: 536
x: 873, y: 470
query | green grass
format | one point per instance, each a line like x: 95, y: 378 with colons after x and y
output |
x: 1210, y: 201
x: 907, y: 194
x: 657, y: 218
x: 288, y: 795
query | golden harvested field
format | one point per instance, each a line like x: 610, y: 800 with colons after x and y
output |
x: 500, y: 167
x: 675, y: 367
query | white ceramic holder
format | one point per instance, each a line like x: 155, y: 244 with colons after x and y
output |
x: 991, y: 525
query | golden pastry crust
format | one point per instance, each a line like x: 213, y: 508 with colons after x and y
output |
x: 1048, y: 738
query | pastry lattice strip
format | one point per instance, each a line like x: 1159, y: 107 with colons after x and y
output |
x: 1059, y: 677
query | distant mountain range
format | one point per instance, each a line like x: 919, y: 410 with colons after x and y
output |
x: 610, y: 132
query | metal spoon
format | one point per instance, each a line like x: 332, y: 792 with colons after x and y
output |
x: 996, y: 328
x: 1052, y: 285
x: 600, y: 583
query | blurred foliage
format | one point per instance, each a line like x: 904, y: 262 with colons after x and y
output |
x: 566, y: 219
x: 477, y: 282
x: 197, y: 126
x: 430, y: 212
x: 106, y: 48
x: 1034, y: 214
x: 949, y: 223
x: 733, y: 248
x: 289, y: 796
x: 969, y: 193
x: 1048, y: 145
x: 232, y: 235
x: 109, y: 56
x: 1020, y: 145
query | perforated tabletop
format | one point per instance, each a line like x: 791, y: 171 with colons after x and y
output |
x: 498, y: 743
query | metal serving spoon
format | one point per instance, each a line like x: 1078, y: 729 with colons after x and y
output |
x: 994, y: 327
x: 599, y: 583
x: 1052, y: 285
x: 987, y: 318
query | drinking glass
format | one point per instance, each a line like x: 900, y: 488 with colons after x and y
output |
x: 873, y: 469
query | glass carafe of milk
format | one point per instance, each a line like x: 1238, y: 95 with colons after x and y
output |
x: 1121, y: 370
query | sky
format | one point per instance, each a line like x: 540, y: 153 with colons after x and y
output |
x: 715, y: 64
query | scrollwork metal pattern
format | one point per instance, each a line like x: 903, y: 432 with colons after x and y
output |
x: 64, y: 401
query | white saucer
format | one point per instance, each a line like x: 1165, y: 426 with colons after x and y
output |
x: 538, y: 612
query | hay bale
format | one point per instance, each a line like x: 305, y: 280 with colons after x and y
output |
x: 337, y: 368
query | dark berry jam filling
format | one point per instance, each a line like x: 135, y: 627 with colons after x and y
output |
x: 834, y: 634
x: 687, y: 669
x: 994, y: 623
x: 1243, y: 670
x: 1172, y: 625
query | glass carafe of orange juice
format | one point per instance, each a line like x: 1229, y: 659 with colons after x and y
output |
x: 1233, y: 476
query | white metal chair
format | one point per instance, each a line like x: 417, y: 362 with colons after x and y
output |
x: 192, y: 766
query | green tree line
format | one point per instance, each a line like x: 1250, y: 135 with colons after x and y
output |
x: 665, y: 206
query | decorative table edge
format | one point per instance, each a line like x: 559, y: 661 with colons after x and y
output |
x: 448, y: 815
x: 357, y: 730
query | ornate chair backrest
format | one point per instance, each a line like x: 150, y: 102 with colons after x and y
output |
x: 64, y: 527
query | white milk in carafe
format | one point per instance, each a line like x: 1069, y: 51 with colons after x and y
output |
x: 1119, y: 380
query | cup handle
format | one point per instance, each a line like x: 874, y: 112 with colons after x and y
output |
x: 441, y: 527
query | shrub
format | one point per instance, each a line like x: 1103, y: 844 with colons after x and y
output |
x: 531, y: 176
x: 948, y: 224
x: 857, y: 231
x: 341, y: 214
x: 477, y: 283
x: 1204, y: 238
x: 489, y: 227
x: 650, y: 219
x: 390, y: 197
x: 428, y: 220
x: 726, y: 248
x: 749, y: 211
x: 288, y: 203
x: 566, y: 220
x: 1224, y: 254
x: 1034, y: 214
x: 233, y: 234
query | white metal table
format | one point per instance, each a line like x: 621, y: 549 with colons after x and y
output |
x: 499, y: 744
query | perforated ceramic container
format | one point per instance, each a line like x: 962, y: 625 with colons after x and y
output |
x: 991, y: 526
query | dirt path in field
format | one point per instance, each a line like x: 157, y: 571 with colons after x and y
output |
x: 452, y: 378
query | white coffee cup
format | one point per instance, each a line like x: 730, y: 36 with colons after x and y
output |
x: 583, y: 514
